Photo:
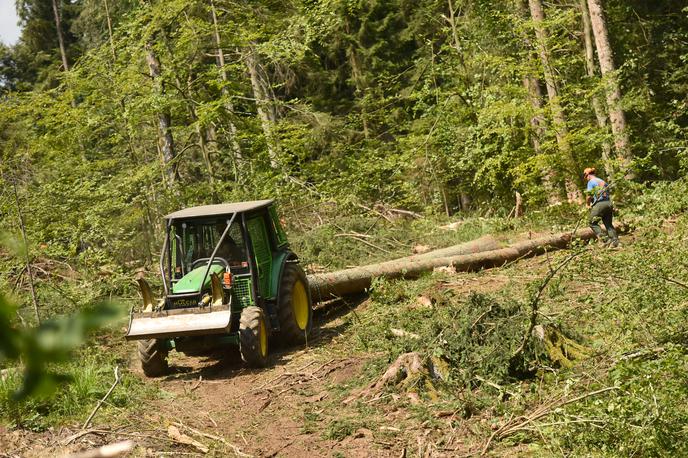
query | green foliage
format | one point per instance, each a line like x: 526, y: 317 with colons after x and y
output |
x: 643, y: 417
x: 52, y: 342
x: 476, y: 337
x: 340, y: 429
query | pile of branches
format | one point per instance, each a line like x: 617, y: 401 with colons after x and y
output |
x: 481, y: 341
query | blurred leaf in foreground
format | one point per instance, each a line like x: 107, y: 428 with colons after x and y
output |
x: 40, y: 348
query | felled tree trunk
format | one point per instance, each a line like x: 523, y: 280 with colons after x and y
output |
x: 357, y: 279
x: 478, y: 254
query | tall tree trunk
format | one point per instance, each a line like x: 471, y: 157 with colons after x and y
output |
x: 60, y: 39
x: 532, y: 86
x: 234, y: 144
x: 265, y: 112
x: 455, y: 34
x: 166, y: 141
x: 109, y: 24
x: 531, y: 83
x: 606, y: 58
x: 558, y: 116
x: 29, y: 271
x: 597, y: 104
x: 357, y: 76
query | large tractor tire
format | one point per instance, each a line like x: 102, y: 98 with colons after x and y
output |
x: 295, y: 308
x: 153, y: 356
x: 253, y: 337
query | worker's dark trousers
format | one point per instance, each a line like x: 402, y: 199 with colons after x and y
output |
x: 602, y: 211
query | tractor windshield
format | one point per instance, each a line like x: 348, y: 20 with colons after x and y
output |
x: 192, y: 243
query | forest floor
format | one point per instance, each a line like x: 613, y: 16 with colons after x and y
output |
x: 298, y: 406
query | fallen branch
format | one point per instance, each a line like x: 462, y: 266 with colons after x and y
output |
x: 69, y: 439
x: 107, y: 451
x: 514, y: 425
x: 405, y: 212
x: 365, y: 242
x: 402, y: 333
x: 536, y: 300
x: 237, y: 451
x: 100, y: 403
x: 176, y: 435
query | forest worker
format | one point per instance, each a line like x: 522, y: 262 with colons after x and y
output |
x: 229, y: 250
x: 599, y: 202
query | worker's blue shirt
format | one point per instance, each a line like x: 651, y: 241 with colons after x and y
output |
x: 598, y: 189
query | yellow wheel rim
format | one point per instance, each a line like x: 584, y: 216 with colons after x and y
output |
x: 299, y: 303
x: 263, y: 339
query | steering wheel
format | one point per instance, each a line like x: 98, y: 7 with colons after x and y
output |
x: 199, y: 261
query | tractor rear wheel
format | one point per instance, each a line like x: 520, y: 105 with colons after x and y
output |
x: 253, y: 337
x: 295, y: 309
x: 153, y: 356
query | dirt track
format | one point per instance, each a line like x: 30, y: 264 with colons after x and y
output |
x: 271, y: 412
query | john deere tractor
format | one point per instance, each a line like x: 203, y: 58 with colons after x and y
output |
x: 229, y: 277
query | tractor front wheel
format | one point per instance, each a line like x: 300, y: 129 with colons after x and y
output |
x: 253, y: 337
x: 153, y: 356
x: 295, y: 309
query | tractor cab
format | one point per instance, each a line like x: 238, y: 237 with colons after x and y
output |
x: 223, y: 266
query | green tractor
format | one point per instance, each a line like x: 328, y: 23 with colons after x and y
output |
x: 229, y: 277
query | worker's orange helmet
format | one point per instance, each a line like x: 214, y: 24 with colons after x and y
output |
x: 589, y: 171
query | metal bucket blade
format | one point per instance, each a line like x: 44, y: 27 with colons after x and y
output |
x: 178, y: 323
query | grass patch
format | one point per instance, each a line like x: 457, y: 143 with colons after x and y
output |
x: 86, y: 380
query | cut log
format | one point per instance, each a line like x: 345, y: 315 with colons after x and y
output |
x: 486, y: 243
x: 469, y: 256
x: 358, y: 279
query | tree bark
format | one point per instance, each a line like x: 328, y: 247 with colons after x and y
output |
x: 518, y: 208
x: 166, y: 141
x: 232, y: 137
x: 613, y: 92
x: 558, y: 116
x: 60, y: 39
x: 357, y: 76
x: 531, y: 83
x: 29, y: 271
x: 357, y: 279
x: 109, y: 24
x: 532, y: 86
x: 265, y: 112
x: 476, y: 255
x: 597, y: 104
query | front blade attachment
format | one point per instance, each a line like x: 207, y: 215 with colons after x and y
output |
x: 179, y: 323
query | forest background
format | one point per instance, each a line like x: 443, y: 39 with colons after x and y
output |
x: 116, y: 112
